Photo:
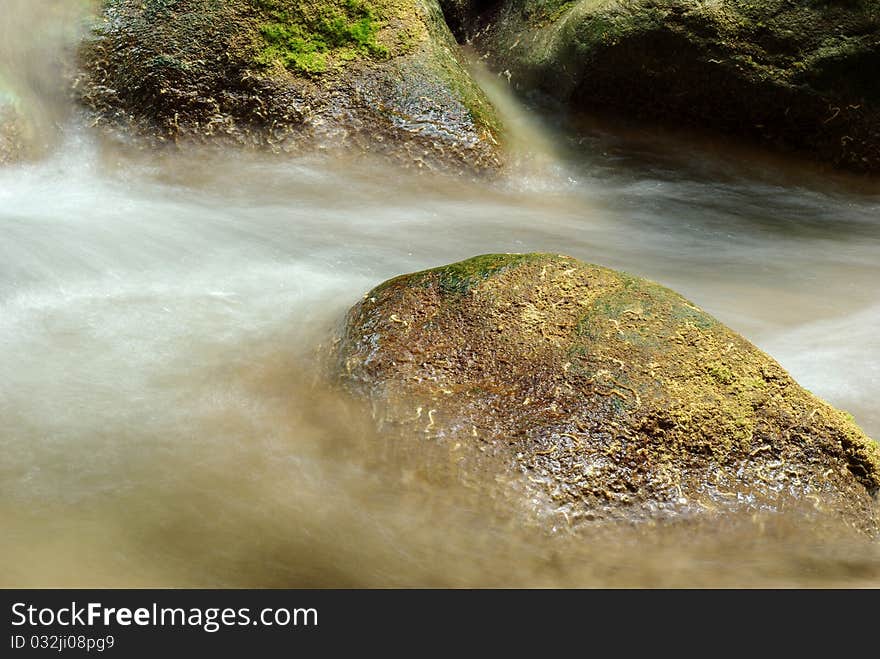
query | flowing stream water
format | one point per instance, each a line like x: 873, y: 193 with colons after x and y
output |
x: 159, y: 314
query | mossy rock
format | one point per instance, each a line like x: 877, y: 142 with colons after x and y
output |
x: 379, y: 76
x: 795, y: 76
x: 609, y: 396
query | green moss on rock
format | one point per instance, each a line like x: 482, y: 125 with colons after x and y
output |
x: 459, y: 278
x: 309, y: 38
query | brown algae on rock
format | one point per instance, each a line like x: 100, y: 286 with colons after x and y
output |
x: 612, y: 397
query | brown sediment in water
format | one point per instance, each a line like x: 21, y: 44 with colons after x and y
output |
x: 611, y: 398
x: 324, y: 500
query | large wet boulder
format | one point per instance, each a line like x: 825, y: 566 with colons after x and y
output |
x: 608, y: 397
x: 798, y: 76
x: 348, y: 75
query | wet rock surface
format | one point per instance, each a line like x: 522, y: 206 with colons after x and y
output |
x: 344, y: 75
x: 606, y: 397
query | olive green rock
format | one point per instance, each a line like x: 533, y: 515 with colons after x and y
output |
x: 607, y: 397
x: 381, y: 76
x: 795, y: 76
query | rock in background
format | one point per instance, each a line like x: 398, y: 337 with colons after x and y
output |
x: 796, y: 76
x: 380, y: 76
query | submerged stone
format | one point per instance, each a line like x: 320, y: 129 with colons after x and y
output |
x: 380, y: 76
x: 607, y: 396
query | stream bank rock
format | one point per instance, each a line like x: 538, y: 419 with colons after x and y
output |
x: 796, y: 76
x: 11, y: 128
x: 10, y: 136
x: 614, y: 398
x: 381, y: 76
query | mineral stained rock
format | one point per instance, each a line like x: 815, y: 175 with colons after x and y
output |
x: 608, y: 396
